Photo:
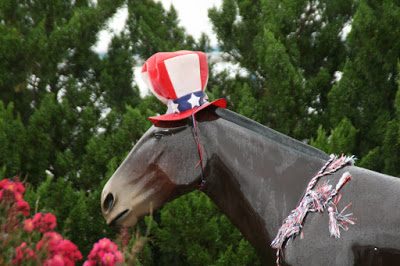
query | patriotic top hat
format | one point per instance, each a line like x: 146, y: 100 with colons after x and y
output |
x: 178, y: 79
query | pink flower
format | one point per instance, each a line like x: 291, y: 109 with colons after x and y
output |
x: 11, y: 190
x: 3, y: 182
x: 69, y: 250
x: 23, y: 253
x: 44, y: 222
x: 90, y: 263
x: 118, y: 256
x: 28, y: 225
x: 53, y: 250
x: 104, y: 252
x: 49, y: 241
x: 19, y: 253
x: 23, y: 207
x: 47, y: 223
x: 12, y: 186
x: 108, y: 259
x: 58, y: 248
x: 57, y: 260
x: 37, y: 217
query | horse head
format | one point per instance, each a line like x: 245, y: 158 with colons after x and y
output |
x: 160, y: 167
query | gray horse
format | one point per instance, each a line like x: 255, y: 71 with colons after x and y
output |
x: 256, y: 176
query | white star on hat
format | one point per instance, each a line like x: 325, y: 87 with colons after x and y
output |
x: 172, y: 107
x: 194, y: 100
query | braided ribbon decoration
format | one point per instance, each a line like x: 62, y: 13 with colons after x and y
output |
x: 317, y: 200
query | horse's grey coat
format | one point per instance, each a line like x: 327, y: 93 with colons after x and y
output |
x: 256, y: 176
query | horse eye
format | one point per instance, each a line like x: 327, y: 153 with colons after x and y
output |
x: 168, y: 132
x: 158, y: 135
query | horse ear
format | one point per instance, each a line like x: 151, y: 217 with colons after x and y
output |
x: 207, y: 114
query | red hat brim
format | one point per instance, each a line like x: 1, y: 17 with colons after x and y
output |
x: 175, y: 117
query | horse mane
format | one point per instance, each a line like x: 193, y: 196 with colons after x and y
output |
x: 269, y: 133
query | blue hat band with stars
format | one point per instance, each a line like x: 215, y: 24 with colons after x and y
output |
x: 186, y: 102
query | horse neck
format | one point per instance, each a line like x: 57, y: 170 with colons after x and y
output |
x: 254, y: 180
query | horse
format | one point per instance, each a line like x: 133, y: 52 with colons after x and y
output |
x: 255, y: 176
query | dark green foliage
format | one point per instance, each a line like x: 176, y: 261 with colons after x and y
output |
x: 308, y: 75
x: 111, y: 146
x: 341, y: 140
x: 116, y: 74
x: 44, y: 41
x: 391, y: 141
x: 153, y: 29
x: 192, y: 232
x: 12, y: 140
x: 68, y: 112
x: 291, y: 50
x: 367, y: 90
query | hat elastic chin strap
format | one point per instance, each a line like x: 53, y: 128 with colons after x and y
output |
x: 196, y: 137
x: 186, y: 102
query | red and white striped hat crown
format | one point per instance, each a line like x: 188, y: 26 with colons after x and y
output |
x: 178, y: 79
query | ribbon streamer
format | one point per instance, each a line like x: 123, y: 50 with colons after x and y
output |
x: 317, y: 200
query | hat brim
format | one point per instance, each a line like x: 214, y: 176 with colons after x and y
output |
x: 176, y: 117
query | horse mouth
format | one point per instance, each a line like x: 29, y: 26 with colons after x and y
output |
x: 118, y: 217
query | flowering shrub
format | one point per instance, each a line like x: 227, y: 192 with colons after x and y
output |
x: 104, y: 252
x: 11, y: 194
x: 41, y: 222
x: 23, y: 253
x: 58, y: 250
x: 33, y: 241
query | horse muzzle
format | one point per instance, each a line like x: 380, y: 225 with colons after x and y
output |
x: 114, y: 212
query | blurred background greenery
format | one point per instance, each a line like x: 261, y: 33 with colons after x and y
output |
x: 68, y: 115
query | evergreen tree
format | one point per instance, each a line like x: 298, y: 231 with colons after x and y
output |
x: 390, y: 151
x: 116, y: 74
x: 291, y: 50
x: 306, y: 73
x: 12, y: 140
x: 153, y: 29
x: 201, y: 235
x: 341, y: 140
x: 367, y: 90
x: 43, y: 42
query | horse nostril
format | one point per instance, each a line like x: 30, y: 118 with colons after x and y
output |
x: 108, y: 202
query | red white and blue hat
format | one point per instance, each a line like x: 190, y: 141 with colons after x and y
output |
x: 179, y: 79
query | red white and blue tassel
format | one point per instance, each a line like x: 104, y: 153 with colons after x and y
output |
x: 317, y: 200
